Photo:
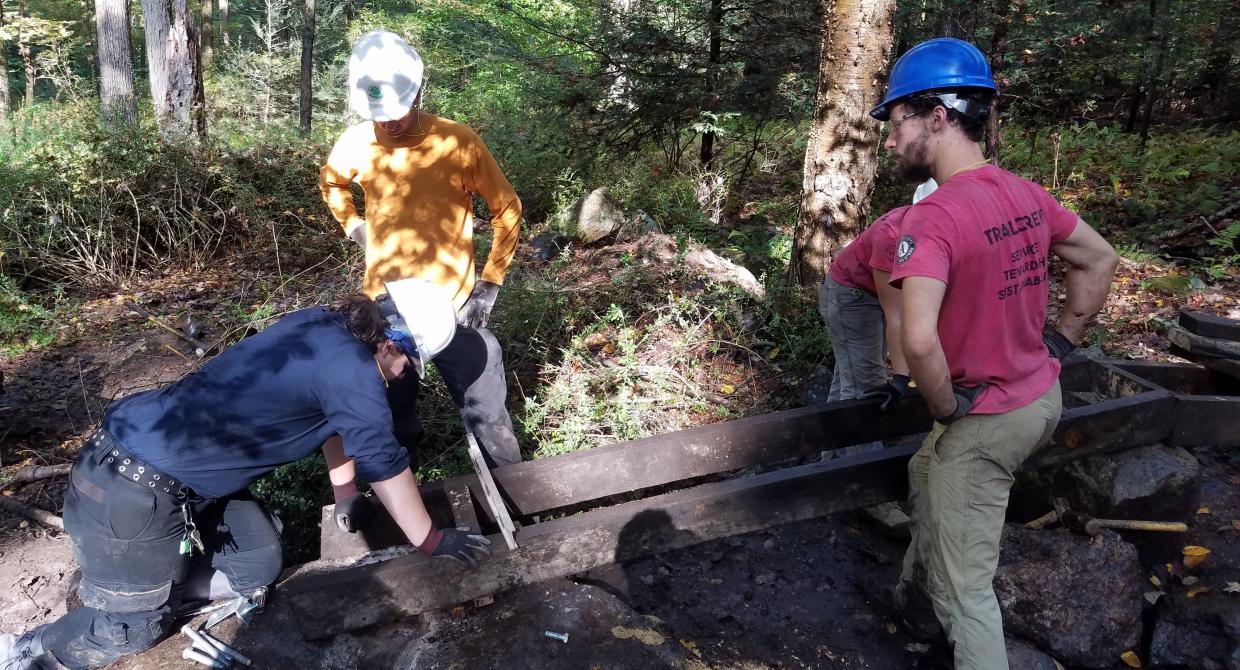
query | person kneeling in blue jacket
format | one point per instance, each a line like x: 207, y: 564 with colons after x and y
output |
x: 158, y: 506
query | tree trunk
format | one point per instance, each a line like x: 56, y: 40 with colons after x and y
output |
x: 23, y: 49
x: 116, y: 96
x: 89, y: 22
x: 998, y: 59
x: 707, y: 153
x: 224, y: 21
x: 307, y: 68
x: 4, y: 74
x: 205, y: 34
x: 841, y: 158
x: 1161, y: 41
x: 170, y: 58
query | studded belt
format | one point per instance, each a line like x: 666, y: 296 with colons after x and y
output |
x: 117, y: 459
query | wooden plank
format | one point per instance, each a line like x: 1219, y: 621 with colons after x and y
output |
x: 594, y: 475
x: 1206, y: 421
x: 1116, y: 424
x: 1198, y: 345
x: 1175, y: 377
x: 463, y: 511
x: 1208, y: 325
x: 412, y: 583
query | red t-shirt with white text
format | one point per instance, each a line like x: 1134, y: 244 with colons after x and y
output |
x: 874, y: 249
x: 986, y: 234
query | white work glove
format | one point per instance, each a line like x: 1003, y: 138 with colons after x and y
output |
x: 358, y: 234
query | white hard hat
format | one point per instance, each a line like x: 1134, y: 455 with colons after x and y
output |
x: 385, y: 75
x: 421, y: 316
x: 924, y: 189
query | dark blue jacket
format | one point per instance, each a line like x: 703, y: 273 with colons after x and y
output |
x: 270, y: 399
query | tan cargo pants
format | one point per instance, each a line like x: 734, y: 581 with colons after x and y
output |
x: 958, y: 491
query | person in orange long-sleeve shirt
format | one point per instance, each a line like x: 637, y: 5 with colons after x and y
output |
x: 419, y: 173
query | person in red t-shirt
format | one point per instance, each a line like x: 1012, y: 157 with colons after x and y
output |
x: 971, y: 262
x: 862, y: 312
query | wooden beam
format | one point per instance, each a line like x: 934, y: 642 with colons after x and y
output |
x: 1208, y: 325
x: 597, y: 476
x: 413, y: 583
x: 1206, y: 421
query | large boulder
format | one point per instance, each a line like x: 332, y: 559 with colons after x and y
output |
x: 594, y: 216
x: 1024, y: 656
x: 1201, y: 633
x: 663, y: 250
x: 1154, y: 483
x: 1077, y: 598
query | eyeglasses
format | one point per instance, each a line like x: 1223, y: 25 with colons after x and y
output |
x: 897, y: 122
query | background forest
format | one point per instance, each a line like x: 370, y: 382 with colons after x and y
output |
x: 199, y: 172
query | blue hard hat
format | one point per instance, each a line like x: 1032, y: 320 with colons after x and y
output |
x: 935, y: 65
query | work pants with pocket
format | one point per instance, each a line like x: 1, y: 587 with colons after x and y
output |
x: 855, y: 320
x: 472, y: 368
x: 958, y: 491
x: 127, y: 542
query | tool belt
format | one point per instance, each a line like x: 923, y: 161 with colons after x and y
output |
x: 111, y: 455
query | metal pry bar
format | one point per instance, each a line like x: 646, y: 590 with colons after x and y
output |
x: 498, y: 509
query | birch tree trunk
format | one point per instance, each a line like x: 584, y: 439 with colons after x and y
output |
x: 307, y: 68
x: 116, y: 96
x: 4, y: 74
x: 841, y: 159
x: 171, y: 61
x: 205, y: 34
x: 23, y: 50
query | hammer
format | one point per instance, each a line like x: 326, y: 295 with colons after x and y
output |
x: 1080, y: 522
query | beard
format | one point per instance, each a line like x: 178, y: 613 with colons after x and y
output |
x: 912, y: 162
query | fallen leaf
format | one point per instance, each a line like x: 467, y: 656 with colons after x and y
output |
x: 1130, y: 659
x: 1232, y: 587
x: 646, y: 636
x: 688, y: 644
x: 891, y: 628
x: 609, y: 348
x: 1189, y: 580
x: 1236, y: 524
x: 1203, y: 510
x: 1197, y: 590
x: 1194, y: 555
x: 1156, y: 581
x: 1152, y: 597
x: 727, y: 389
x: 773, y: 355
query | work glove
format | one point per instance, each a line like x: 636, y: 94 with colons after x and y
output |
x: 458, y: 545
x: 478, y: 308
x: 1056, y: 343
x: 965, y: 397
x: 358, y: 235
x: 895, y: 389
x: 354, y: 513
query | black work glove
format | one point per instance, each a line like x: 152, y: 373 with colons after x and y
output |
x: 478, y: 308
x: 358, y: 235
x: 965, y: 397
x: 1056, y: 343
x: 895, y: 389
x: 354, y: 513
x: 458, y: 545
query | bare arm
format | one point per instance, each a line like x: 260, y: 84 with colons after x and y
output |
x: 921, y: 300
x: 403, y: 501
x: 1091, y: 267
x: 889, y: 297
x: 340, y: 469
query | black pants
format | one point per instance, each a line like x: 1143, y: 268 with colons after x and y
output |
x: 127, y: 541
x: 472, y: 367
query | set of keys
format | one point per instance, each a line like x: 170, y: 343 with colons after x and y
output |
x: 192, y: 539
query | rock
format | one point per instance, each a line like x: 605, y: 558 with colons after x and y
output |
x: 1024, y: 656
x: 1198, y: 634
x: 662, y: 249
x: 593, y: 217
x: 548, y: 246
x: 1077, y: 598
x: 1154, y: 483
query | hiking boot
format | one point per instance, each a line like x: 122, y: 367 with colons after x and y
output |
x: 915, y: 614
x: 25, y: 652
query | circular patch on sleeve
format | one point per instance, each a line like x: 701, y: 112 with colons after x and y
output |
x: 905, y: 249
